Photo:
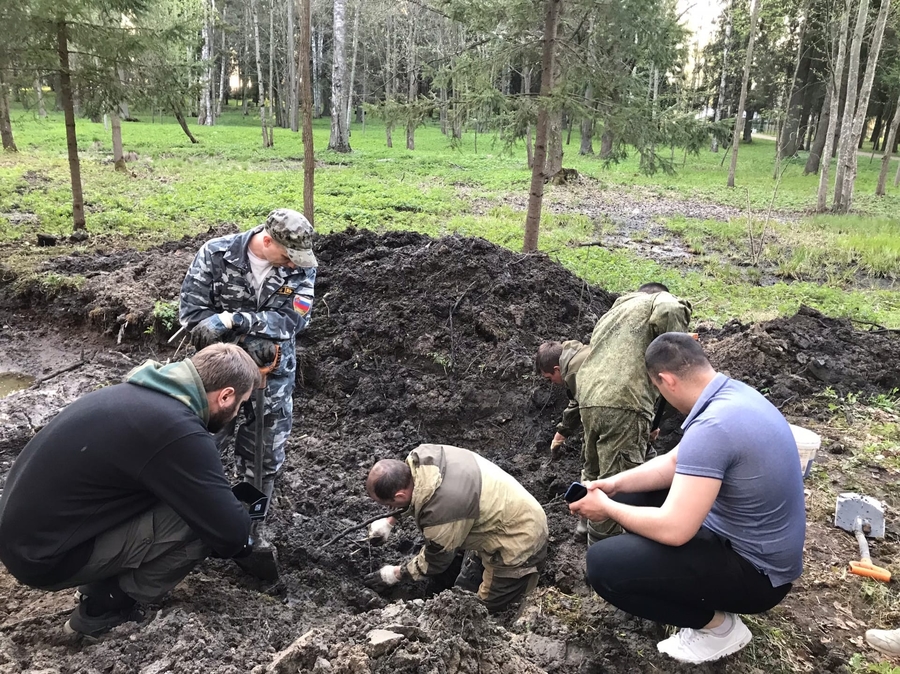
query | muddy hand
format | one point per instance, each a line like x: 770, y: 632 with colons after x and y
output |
x: 208, y: 331
x: 380, y: 530
x: 383, y: 579
x: 556, y: 446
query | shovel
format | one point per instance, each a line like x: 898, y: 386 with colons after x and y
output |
x: 862, y: 516
x: 263, y: 561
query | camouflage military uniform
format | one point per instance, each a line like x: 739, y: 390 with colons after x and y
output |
x: 219, y: 280
x: 615, y: 394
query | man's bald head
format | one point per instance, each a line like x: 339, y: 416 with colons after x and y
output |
x: 390, y: 482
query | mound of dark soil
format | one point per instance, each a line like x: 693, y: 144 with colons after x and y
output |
x: 793, y: 358
x: 413, y: 340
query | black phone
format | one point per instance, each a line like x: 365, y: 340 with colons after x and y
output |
x: 575, y: 492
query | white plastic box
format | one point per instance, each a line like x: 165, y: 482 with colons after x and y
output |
x: 808, y: 444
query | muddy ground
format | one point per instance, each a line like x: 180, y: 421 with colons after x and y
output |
x: 420, y: 340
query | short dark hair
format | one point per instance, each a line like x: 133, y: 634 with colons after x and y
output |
x: 547, y: 357
x: 653, y: 287
x: 222, y: 365
x: 387, y: 477
x: 675, y: 352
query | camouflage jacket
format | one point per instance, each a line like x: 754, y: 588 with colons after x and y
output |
x: 219, y: 280
x: 614, y: 374
x: 573, y: 355
x: 461, y: 501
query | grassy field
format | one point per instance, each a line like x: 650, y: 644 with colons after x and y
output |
x: 844, y: 266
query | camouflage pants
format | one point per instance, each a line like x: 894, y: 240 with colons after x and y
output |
x: 614, y: 441
x: 277, y: 421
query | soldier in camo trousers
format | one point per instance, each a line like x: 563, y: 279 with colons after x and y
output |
x: 257, y: 285
x: 609, y: 387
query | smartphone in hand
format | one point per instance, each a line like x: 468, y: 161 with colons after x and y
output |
x: 575, y: 492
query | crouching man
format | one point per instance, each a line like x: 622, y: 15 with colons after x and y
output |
x: 714, y: 528
x: 461, y: 501
x: 123, y: 492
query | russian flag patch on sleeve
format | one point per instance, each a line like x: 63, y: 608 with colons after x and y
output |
x: 302, y: 304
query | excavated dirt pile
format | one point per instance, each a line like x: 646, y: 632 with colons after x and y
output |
x: 413, y: 340
x: 793, y: 358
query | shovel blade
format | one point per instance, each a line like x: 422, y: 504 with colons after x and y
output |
x: 262, y: 563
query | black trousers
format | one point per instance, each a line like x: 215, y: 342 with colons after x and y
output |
x: 682, y: 586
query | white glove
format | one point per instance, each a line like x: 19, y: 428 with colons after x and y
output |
x: 389, y: 574
x: 227, y: 319
x: 380, y: 530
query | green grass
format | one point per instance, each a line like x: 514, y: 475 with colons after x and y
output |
x: 176, y: 188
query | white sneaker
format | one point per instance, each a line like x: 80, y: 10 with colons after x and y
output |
x: 696, y: 646
x: 581, y: 527
x: 886, y: 641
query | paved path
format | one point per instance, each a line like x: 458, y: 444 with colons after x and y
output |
x: 861, y: 153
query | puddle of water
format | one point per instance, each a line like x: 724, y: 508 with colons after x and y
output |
x: 10, y: 382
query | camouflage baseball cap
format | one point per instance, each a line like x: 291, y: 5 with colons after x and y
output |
x: 293, y: 231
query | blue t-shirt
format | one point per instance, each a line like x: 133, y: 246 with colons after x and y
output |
x: 735, y: 435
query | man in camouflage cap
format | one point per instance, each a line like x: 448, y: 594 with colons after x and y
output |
x: 257, y: 287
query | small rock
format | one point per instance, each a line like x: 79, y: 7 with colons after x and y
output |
x: 157, y: 667
x: 322, y: 665
x: 382, y: 642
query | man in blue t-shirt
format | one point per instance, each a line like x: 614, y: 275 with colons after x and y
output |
x: 715, y: 527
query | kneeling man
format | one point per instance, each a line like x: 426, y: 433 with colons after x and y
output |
x: 714, y: 528
x: 461, y: 501
x: 123, y: 492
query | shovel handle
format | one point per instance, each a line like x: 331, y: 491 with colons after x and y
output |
x: 869, y: 570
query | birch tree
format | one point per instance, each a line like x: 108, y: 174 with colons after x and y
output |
x: 720, y: 102
x: 739, y: 120
x: 6, y: 134
x: 205, y: 116
x: 340, y: 137
x: 264, y: 122
x: 837, y: 82
x: 843, y: 202
x: 306, y: 103
x: 847, y: 145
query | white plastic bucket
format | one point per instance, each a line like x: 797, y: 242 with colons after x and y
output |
x: 808, y: 444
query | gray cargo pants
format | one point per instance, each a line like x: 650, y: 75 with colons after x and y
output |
x: 149, y: 555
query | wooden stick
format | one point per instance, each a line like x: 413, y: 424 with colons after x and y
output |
x: 357, y: 527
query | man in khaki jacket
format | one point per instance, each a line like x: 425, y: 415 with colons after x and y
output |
x: 461, y: 501
x: 609, y: 387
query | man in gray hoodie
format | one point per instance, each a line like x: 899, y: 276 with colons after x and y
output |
x: 123, y: 492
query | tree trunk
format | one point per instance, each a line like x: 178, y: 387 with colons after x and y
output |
x: 205, y: 115
x: 789, y: 138
x: 739, y: 120
x: 720, y: 103
x: 254, y: 8
x: 548, y: 69
x: 66, y: 99
x: 554, y: 144
x: 271, y: 116
x: 587, y: 125
x: 837, y: 83
x: 39, y: 91
x: 412, y: 81
x: 606, y: 144
x: 306, y: 102
x: 223, y: 74
x: 316, y: 74
x: 818, y: 144
x: 293, y: 98
x: 843, y: 204
x: 886, y: 159
x: 349, y: 95
x: 245, y: 71
x: 6, y: 134
x: 875, y: 139
x: 340, y: 139
x: 118, y: 154
x: 179, y: 115
x: 526, y: 91
x: 847, y: 145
